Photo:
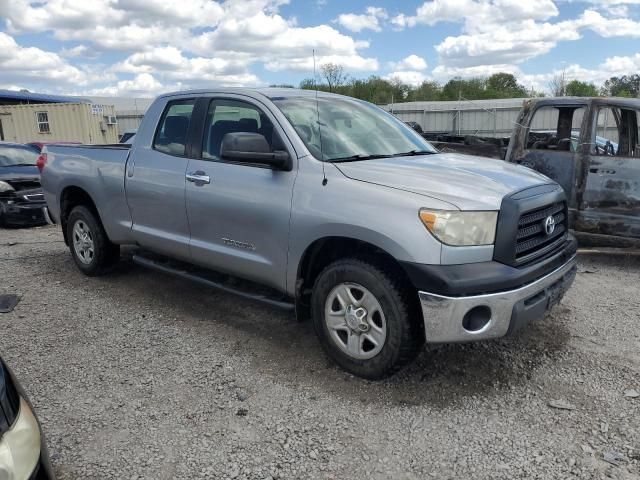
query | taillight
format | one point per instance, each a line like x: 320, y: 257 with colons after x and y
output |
x: 41, y: 161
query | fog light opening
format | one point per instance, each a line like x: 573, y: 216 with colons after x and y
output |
x: 476, y: 319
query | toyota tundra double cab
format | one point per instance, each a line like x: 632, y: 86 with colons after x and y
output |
x: 325, y: 205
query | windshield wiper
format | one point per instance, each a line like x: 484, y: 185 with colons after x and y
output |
x: 20, y: 165
x: 357, y: 157
x: 412, y: 153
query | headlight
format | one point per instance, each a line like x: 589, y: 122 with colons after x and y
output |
x: 5, y: 187
x: 20, y: 446
x: 461, y: 228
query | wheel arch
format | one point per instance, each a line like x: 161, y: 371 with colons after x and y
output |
x: 70, y: 197
x: 324, y: 251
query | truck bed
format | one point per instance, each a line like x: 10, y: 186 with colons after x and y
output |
x: 98, y: 170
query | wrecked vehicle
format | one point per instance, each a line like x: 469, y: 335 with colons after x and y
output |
x: 327, y: 205
x: 594, y: 153
x: 491, y: 147
x: 21, y: 198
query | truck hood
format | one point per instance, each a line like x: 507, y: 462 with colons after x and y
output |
x: 465, y: 181
x: 21, y: 177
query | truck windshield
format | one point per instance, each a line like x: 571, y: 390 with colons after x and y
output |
x: 341, y: 129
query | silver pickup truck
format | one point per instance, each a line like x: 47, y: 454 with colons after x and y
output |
x: 323, y: 204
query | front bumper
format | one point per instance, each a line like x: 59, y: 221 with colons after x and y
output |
x: 480, y: 317
x: 24, y: 214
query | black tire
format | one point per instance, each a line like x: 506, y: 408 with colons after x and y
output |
x: 404, y: 331
x: 105, y: 253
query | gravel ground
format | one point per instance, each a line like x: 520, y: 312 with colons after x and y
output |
x: 141, y: 375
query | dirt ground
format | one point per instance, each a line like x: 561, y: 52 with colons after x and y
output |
x: 141, y: 375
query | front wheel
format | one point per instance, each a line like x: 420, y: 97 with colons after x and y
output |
x: 364, y: 318
x: 90, y: 247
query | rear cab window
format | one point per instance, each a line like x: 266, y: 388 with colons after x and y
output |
x: 617, y: 132
x: 171, y: 134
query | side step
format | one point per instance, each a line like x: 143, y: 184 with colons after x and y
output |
x: 214, y: 279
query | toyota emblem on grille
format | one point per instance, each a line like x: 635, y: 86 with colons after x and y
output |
x: 549, y: 225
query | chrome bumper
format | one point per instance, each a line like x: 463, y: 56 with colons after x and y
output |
x: 444, y: 317
x: 47, y: 217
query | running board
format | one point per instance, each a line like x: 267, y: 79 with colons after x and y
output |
x: 210, y: 279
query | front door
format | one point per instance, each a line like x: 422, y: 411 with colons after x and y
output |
x: 552, y: 142
x: 611, y: 200
x: 155, y: 184
x: 239, y: 212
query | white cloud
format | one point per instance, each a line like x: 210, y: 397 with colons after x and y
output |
x: 622, y: 65
x: 501, y: 34
x: 368, y: 21
x: 412, y: 62
x: 280, y: 45
x: 608, y: 27
x: 183, y: 44
x: 77, y: 51
x: 29, y: 64
x: 169, y: 64
x: 142, y: 85
x: 408, y: 77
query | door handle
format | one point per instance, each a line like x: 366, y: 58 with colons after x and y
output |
x: 199, y: 177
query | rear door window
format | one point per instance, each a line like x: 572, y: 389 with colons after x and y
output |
x: 171, y: 135
x: 616, y: 132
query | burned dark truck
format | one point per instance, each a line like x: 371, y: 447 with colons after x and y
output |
x: 594, y: 153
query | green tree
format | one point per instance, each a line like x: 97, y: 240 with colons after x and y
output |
x: 426, y: 91
x: 625, y: 86
x: 504, y: 85
x: 334, y: 75
x: 470, y: 89
x: 576, y: 88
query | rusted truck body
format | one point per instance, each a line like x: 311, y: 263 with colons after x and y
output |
x: 594, y: 153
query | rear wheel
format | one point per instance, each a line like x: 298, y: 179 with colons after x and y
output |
x: 364, y: 318
x: 90, y: 247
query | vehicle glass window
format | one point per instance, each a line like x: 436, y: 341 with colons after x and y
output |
x: 616, y: 133
x: 335, y: 128
x: 231, y: 116
x: 171, y: 136
x: 10, y: 156
x: 555, y: 128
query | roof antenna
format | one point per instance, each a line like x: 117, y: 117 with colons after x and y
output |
x: 315, y: 86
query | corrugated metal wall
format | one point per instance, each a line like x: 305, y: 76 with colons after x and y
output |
x: 72, y: 122
x: 492, y: 118
x: 128, y: 121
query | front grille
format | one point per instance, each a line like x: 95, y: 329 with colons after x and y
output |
x: 20, y: 185
x: 532, y: 238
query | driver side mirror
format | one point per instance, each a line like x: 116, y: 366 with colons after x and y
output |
x: 253, y: 148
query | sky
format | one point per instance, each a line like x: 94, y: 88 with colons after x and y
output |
x: 146, y: 47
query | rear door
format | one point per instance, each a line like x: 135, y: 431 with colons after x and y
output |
x: 155, y: 183
x: 239, y: 213
x: 611, y: 200
x: 552, y: 142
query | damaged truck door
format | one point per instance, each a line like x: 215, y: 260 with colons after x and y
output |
x: 611, y: 200
x: 594, y: 153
